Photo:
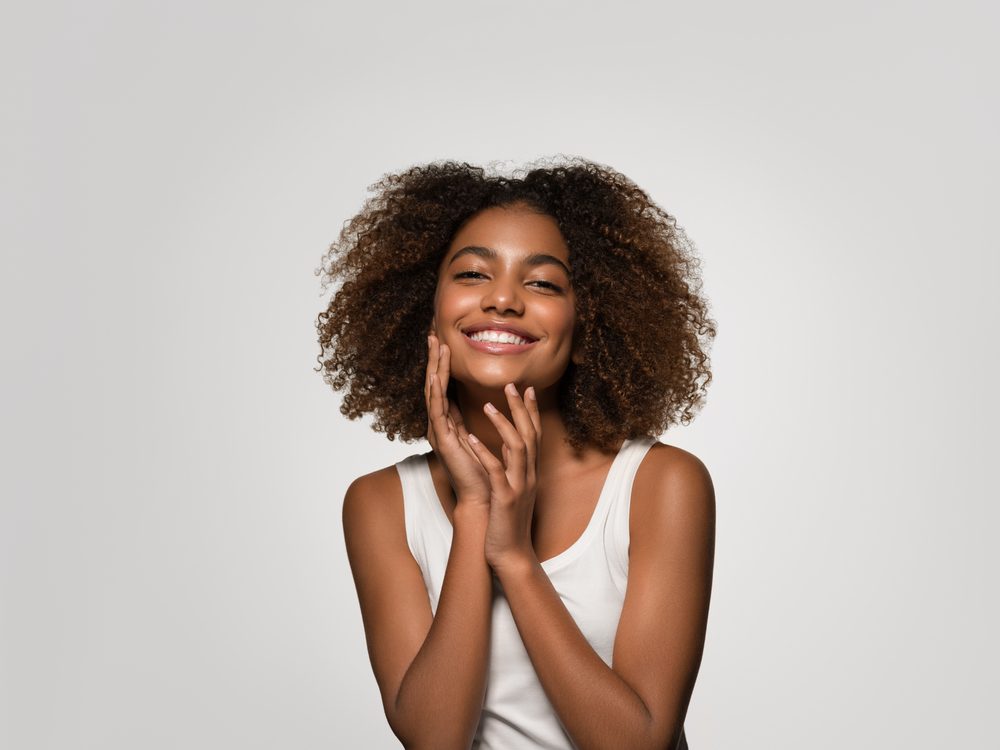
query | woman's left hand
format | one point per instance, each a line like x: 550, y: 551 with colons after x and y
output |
x: 513, y: 480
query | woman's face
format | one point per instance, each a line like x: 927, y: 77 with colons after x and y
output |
x: 504, y: 303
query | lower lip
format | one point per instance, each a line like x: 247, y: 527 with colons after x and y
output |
x: 492, y: 347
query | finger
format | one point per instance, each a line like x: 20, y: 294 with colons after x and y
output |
x: 433, y: 354
x: 516, y: 458
x: 444, y: 367
x: 436, y: 411
x: 531, y: 403
x: 495, y: 469
x: 457, y: 419
x: 522, y: 422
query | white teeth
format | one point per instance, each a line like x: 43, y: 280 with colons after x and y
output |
x: 498, y: 337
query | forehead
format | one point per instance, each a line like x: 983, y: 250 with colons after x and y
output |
x: 511, y: 230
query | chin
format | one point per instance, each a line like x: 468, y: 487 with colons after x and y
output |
x: 496, y: 378
x: 496, y: 383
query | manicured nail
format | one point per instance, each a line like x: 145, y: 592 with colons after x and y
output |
x: 432, y: 378
x: 473, y: 438
x: 491, y: 408
x: 441, y: 351
x: 530, y: 393
x: 428, y: 342
x: 511, y: 389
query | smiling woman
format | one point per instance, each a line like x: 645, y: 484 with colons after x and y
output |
x: 541, y: 578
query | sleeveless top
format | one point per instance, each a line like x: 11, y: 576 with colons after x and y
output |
x: 590, y: 578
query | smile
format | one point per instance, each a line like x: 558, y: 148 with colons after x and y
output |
x: 498, y: 337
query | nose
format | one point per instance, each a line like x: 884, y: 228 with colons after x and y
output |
x: 504, y: 296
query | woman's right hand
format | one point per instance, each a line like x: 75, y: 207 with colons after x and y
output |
x: 446, y: 431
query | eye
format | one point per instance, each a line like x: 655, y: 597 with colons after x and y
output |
x: 469, y: 275
x: 543, y: 284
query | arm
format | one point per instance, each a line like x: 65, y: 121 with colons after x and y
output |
x: 641, y: 701
x: 431, y: 670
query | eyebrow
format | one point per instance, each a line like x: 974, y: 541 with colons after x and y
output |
x: 536, y: 259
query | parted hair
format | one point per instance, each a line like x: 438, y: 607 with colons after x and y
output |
x: 643, y: 328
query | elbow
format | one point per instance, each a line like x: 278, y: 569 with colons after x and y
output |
x: 432, y: 743
x: 664, y: 735
x: 426, y: 737
x: 650, y: 732
x: 667, y: 737
x: 432, y: 722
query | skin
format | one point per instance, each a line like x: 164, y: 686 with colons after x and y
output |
x: 518, y: 494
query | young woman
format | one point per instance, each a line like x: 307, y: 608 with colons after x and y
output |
x: 541, y: 578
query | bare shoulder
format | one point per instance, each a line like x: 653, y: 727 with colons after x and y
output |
x: 375, y: 492
x: 373, y: 507
x: 672, y: 488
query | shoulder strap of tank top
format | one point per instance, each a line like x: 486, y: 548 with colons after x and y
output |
x: 422, y: 511
x: 625, y: 468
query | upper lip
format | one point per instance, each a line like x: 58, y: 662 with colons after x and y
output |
x: 496, y: 325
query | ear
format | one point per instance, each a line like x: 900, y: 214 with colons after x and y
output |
x: 576, y: 356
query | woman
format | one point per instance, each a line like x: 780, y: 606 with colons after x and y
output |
x: 541, y: 579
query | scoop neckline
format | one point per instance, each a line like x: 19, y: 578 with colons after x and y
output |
x: 581, y: 542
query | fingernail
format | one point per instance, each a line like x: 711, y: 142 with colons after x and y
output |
x: 511, y: 389
x: 473, y: 438
x: 432, y: 378
x: 491, y: 408
x: 530, y: 393
x: 428, y: 342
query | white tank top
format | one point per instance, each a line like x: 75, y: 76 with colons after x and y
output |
x: 590, y: 578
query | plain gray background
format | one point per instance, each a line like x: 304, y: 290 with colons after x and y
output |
x: 172, y: 572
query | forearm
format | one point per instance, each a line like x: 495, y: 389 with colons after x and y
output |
x: 597, y: 708
x: 440, y: 698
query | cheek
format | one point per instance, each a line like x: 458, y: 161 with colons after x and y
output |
x: 449, y: 306
x: 565, y: 318
x: 441, y: 309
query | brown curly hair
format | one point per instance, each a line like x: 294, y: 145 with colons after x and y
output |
x: 643, y: 329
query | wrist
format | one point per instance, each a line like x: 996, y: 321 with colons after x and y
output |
x: 471, y: 512
x: 514, y: 564
x: 473, y: 502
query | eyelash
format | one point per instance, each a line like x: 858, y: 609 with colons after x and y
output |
x: 547, y: 285
x: 541, y: 283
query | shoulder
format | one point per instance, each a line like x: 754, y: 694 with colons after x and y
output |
x: 672, y: 491
x: 665, y: 467
x: 374, y: 486
x: 373, y: 502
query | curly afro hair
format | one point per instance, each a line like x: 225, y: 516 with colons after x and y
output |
x: 643, y: 328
